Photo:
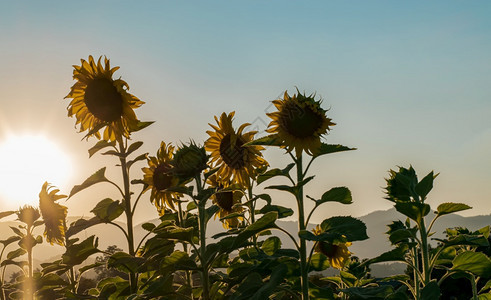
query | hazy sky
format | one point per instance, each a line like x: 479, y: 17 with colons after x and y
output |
x: 407, y: 83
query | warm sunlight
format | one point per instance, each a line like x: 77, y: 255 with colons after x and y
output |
x: 27, y: 161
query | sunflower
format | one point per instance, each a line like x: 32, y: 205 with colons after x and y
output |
x: 100, y: 101
x: 337, y: 253
x: 189, y: 161
x: 236, y: 162
x: 299, y: 123
x: 28, y: 215
x: 54, y: 214
x: 228, y: 201
x: 159, y: 177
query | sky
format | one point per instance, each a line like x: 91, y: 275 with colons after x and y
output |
x: 408, y: 83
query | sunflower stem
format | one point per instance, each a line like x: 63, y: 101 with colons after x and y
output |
x: 128, y: 212
x: 184, y: 245
x: 202, y: 235
x: 301, y: 226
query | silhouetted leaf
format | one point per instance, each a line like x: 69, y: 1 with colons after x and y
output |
x: 283, y: 212
x: 319, y: 262
x: 269, y: 140
x: 449, y: 207
x: 431, y: 291
x: 331, y: 148
x: 337, y: 194
x: 353, y: 229
x: 81, y: 224
x: 4, y: 214
x: 76, y: 254
x: 397, y: 254
x: 16, y: 253
x: 99, y: 146
x: 107, y: 210
x: 273, y: 173
x: 133, y: 147
x: 93, y: 179
x: 263, y: 223
x: 414, y: 210
x: 425, y: 185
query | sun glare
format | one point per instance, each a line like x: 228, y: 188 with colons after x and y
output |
x: 26, y: 162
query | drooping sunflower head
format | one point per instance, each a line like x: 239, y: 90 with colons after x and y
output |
x: 189, y: 161
x: 236, y: 162
x: 159, y: 177
x: 28, y: 215
x: 100, y: 101
x: 54, y: 214
x: 337, y: 253
x: 299, y: 123
x: 228, y: 201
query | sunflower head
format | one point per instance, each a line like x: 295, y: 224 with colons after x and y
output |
x: 189, y: 161
x: 227, y: 200
x: 54, y: 214
x: 28, y: 215
x: 159, y: 177
x: 299, y: 123
x: 337, y: 253
x: 99, y: 101
x: 236, y: 162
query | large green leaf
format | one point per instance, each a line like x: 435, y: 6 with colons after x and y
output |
x: 396, y: 254
x: 81, y: 224
x: 10, y: 240
x: 349, y: 227
x: 269, y: 140
x: 414, y: 210
x: 283, y: 212
x: 124, y: 262
x: 76, y: 254
x: 319, y: 262
x: 476, y: 263
x: 449, y: 207
x: 425, y: 185
x: 133, y: 147
x: 431, y: 291
x: 107, y: 210
x: 337, y: 194
x: 466, y: 239
x: 97, y: 177
x: 369, y: 292
x: 99, y: 146
x: 273, y: 173
x: 271, y: 245
x: 402, y: 235
x: 263, y: 223
x: 16, y: 253
x: 277, y: 274
x: 331, y: 148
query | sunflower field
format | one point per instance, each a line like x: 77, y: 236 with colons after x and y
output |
x: 225, y: 178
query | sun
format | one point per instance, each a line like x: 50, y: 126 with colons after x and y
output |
x: 26, y: 162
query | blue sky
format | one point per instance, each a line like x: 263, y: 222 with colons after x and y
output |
x: 407, y: 82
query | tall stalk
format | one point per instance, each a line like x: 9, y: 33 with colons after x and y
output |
x: 205, y: 282
x: 128, y: 211
x: 301, y: 227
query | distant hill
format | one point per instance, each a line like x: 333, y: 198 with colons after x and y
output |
x: 376, y: 244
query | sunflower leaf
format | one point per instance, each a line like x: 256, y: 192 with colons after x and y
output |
x: 449, y: 207
x: 107, y: 210
x: 136, y: 159
x: 283, y: 212
x: 476, y: 263
x: 273, y: 173
x: 133, y: 147
x: 414, y: 210
x: 267, y: 221
x: 141, y: 125
x: 76, y: 254
x: 337, y: 194
x: 352, y: 228
x: 16, y: 253
x: 99, y: 146
x: 425, y: 185
x: 10, y: 240
x: 269, y: 140
x: 4, y: 214
x: 331, y: 148
x: 397, y: 254
x: 93, y: 179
